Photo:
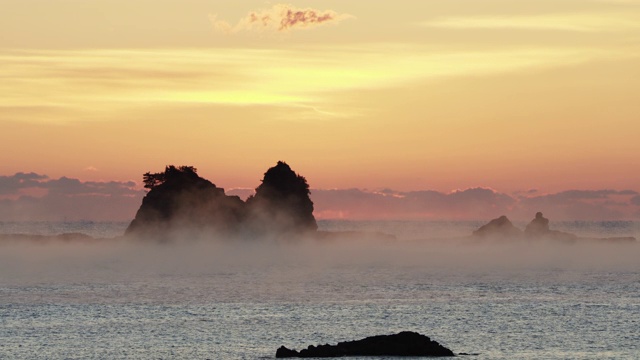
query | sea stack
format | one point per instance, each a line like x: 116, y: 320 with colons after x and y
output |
x: 181, y: 203
x: 282, y: 204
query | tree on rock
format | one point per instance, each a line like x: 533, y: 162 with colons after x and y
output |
x: 151, y: 180
x: 181, y: 200
x: 281, y: 203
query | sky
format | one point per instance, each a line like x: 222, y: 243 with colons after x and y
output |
x: 527, y: 99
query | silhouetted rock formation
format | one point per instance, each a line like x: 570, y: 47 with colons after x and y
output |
x: 405, y: 343
x: 498, y: 228
x: 282, y: 203
x: 179, y: 199
x: 538, y: 228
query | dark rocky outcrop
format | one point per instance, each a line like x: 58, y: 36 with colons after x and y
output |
x: 282, y: 203
x: 498, y: 228
x: 538, y: 228
x: 181, y: 202
x: 179, y: 199
x: 405, y: 343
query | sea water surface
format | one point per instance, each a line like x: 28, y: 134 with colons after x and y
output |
x: 221, y: 300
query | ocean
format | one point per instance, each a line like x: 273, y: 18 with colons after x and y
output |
x: 203, y: 299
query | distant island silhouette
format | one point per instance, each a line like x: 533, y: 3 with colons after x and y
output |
x: 180, y: 204
x: 180, y: 200
x: 538, y: 229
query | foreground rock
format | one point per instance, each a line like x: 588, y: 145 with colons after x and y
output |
x: 405, y: 343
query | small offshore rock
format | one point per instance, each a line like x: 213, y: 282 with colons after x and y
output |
x: 499, y: 228
x: 283, y: 352
x: 405, y: 343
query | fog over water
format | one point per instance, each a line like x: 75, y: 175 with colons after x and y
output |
x: 222, y: 299
x: 417, y: 244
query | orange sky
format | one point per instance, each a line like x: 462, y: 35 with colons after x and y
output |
x: 443, y: 94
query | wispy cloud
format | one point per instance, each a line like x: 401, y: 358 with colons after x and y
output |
x: 280, y: 18
x: 576, y: 22
x: 83, y: 85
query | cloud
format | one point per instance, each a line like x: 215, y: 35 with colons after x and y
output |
x: 76, y: 187
x: 474, y: 203
x: 31, y: 196
x: 582, y: 204
x: 298, y: 83
x: 242, y: 193
x: 280, y: 18
x: 572, y: 195
x: 525, y: 193
x: 12, y: 184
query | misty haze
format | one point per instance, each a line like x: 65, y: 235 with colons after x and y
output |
x: 201, y: 274
x: 191, y: 179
